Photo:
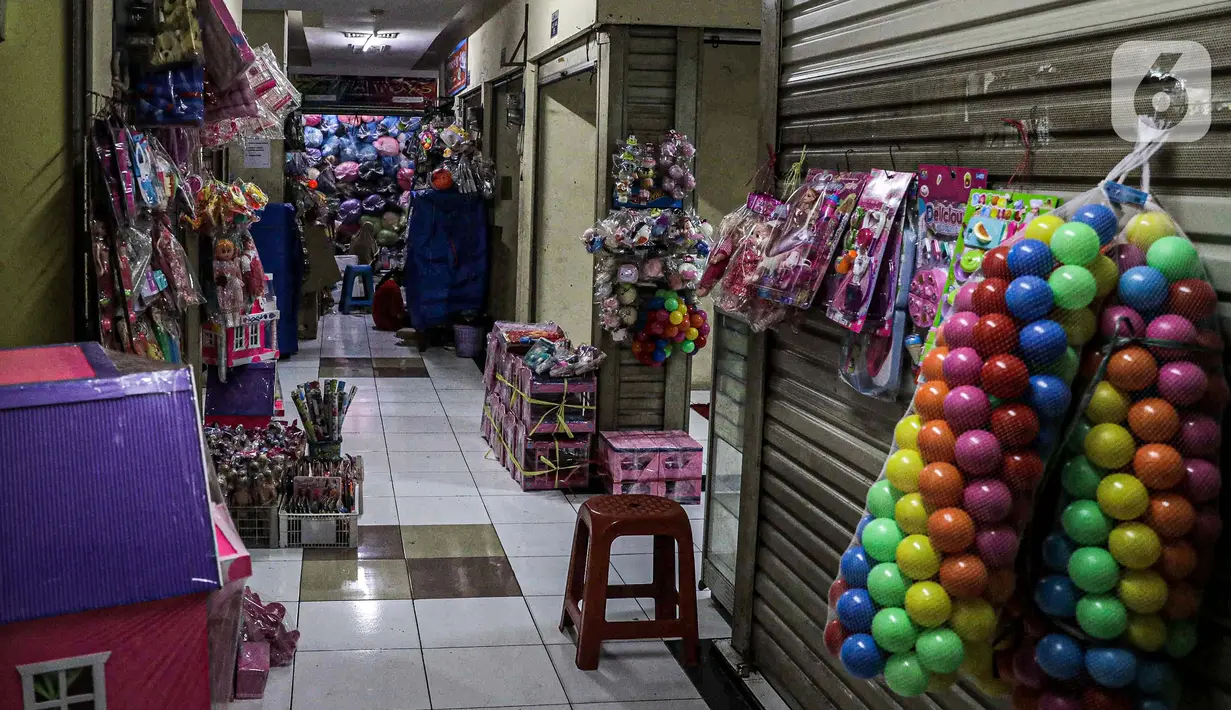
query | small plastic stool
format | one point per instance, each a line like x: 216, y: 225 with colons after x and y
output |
x: 363, y: 272
x: 601, y: 520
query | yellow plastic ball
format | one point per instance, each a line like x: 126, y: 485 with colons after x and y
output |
x: 1134, y: 545
x: 1106, y: 275
x: 906, y: 433
x: 911, y: 514
x: 1108, y: 405
x: 1079, y: 325
x: 903, y: 469
x: 1147, y: 228
x: 1109, y: 446
x: 1146, y: 631
x: 973, y: 620
x: 940, y: 682
x: 1042, y: 227
x: 1122, y: 496
x: 1143, y: 591
x: 692, y: 334
x: 675, y: 318
x: 980, y: 660
x: 916, y: 557
x: 928, y: 604
x: 994, y: 687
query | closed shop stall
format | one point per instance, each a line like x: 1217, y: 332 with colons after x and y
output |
x: 503, y: 144
x: 865, y: 85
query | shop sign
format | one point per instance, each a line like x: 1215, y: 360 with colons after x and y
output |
x: 322, y: 91
x: 459, y: 70
x: 555, y: 23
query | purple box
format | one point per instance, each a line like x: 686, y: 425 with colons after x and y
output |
x: 102, y: 458
x: 248, y: 392
x: 252, y: 670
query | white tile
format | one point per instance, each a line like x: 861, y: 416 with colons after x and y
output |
x: 404, y: 447
x: 379, y: 511
x: 633, y: 545
x: 403, y: 384
x: 453, y: 510
x: 377, y: 485
x: 710, y: 623
x: 578, y: 498
x: 431, y: 462
x: 360, y: 680
x: 491, y: 677
x: 547, y: 610
x: 361, y: 425
x: 276, y: 581
x: 462, y: 409
x: 375, y: 463
x: 639, y: 569
x: 433, y: 484
x: 646, y: 705
x: 462, y: 397
x: 411, y: 409
x: 548, y: 507
x: 536, y: 539
x: 414, y: 425
x: 367, y: 408
x: 357, y: 625
x: 359, y: 443
x: 695, y: 512
x: 277, y: 554
x: 545, y: 576
x: 472, y: 442
x: 698, y: 532
x: 458, y: 383
x: 408, y: 396
x: 466, y: 424
x: 484, y: 460
x: 496, y: 483
x: 277, y: 692
x: 637, y: 670
x: 461, y: 623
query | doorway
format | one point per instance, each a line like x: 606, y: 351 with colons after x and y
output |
x: 504, y: 146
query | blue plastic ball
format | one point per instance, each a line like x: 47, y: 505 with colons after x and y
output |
x: 1029, y: 298
x: 863, y: 523
x: 1059, y: 656
x: 1049, y: 396
x: 1030, y: 257
x: 1057, y: 596
x: 1042, y: 343
x: 861, y: 657
x: 656, y: 303
x: 1154, y: 677
x: 660, y: 355
x: 1057, y: 549
x: 855, y: 610
x: 1101, y: 219
x: 1143, y: 288
x: 1046, y: 441
x: 1153, y: 704
x: 855, y: 567
x: 1111, y: 667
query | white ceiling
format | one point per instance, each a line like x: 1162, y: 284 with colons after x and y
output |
x: 417, y: 22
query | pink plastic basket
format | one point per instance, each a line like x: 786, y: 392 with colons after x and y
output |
x: 467, y: 340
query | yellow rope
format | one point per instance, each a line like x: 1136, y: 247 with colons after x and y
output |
x: 553, y: 407
x: 552, y: 466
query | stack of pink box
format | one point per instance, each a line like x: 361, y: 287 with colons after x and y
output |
x: 538, y: 427
x: 661, y: 463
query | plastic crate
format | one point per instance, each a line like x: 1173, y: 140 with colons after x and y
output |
x: 567, y: 463
x: 257, y: 524
x: 322, y: 529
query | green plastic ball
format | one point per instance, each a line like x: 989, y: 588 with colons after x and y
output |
x: 1093, y: 569
x: 940, y: 651
x: 1176, y: 257
x: 887, y: 585
x: 1181, y: 638
x: 671, y: 303
x: 882, y: 496
x: 1072, y: 286
x: 881, y: 538
x: 1086, y: 523
x: 1075, y: 243
x: 688, y: 346
x: 905, y: 675
x: 1080, y: 478
x: 1065, y: 367
x: 1102, y: 616
x: 893, y: 630
x: 1076, y: 443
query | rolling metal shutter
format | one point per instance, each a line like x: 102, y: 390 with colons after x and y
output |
x: 886, y: 83
x: 649, y: 83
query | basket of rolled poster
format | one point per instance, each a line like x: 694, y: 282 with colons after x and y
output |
x: 661, y: 463
x: 322, y: 503
x: 322, y: 407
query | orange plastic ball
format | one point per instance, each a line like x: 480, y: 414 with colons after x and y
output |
x: 697, y: 320
x: 1178, y: 561
x: 941, y: 485
x: 963, y: 576
x: 930, y: 400
x: 1171, y: 515
x: 933, y: 364
x: 1132, y: 369
x: 1183, y: 602
x: 940, y: 338
x: 1153, y: 420
x: 951, y: 530
x: 671, y: 331
x: 1158, y: 466
x: 1001, y: 584
x: 936, y: 442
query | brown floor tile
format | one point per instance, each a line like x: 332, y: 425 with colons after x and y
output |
x: 399, y: 371
x: 346, y: 361
x: 376, y: 542
x: 348, y: 371
x: 423, y: 541
x: 353, y: 580
x: 403, y: 362
x: 463, y: 577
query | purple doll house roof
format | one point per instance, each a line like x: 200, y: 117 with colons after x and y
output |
x: 102, y: 461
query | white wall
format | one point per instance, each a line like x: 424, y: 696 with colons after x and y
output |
x: 576, y: 16
x: 499, y: 34
x: 732, y: 14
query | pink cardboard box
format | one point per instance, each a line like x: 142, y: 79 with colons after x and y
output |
x: 664, y: 463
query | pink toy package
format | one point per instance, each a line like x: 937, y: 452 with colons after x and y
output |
x: 662, y: 463
x: 872, y: 228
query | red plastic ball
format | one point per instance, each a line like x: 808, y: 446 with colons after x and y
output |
x: 1170, y: 515
x: 701, y: 341
x: 1015, y: 425
x: 1005, y: 376
x: 1178, y: 561
x: 662, y: 314
x: 996, y: 264
x: 1217, y: 394
x: 1183, y: 602
x: 1194, y: 299
x: 988, y: 297
x: 835, y: 635
x: 995, y: 334
x: 1001, y: 583
x: 936, y: 441
x: 1093, y: 698
x: 1022, y: 470
x: 696, y: 320
x: 837, y: 589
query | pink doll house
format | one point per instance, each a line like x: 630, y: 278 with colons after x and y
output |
x: 253, y: 339
x: 115, y: 555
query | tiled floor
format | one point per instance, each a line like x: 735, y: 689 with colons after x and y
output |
x: 453, y: 596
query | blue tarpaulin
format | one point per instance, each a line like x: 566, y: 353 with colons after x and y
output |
x: 446, y: 257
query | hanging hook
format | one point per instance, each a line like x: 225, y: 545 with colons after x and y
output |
x: 957, y: 151
x: 893, y: 161
x: 848, y: 158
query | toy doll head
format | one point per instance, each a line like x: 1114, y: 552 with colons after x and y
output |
x: 225, y: 249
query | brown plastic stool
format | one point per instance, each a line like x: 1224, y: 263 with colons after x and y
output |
x: 603, y: 519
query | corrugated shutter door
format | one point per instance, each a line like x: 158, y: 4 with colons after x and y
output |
x: 931, y: 82
x: 649, y: 86
x: 642, y: 391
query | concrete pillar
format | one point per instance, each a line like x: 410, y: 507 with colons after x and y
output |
x: 264, y: 27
